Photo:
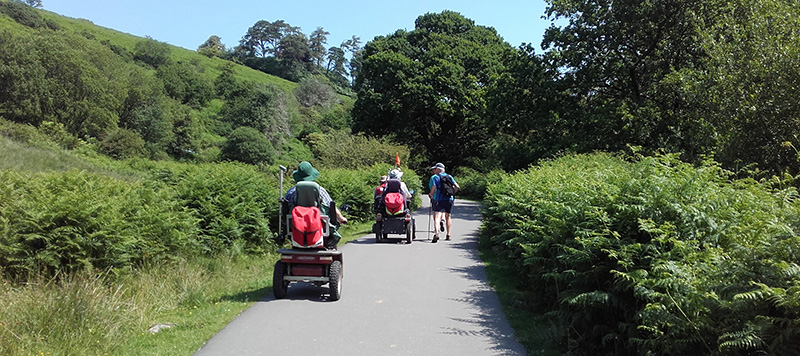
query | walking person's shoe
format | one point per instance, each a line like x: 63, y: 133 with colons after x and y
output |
x: 435, y: 239
x: 441, y: 225
x: 447, y: 238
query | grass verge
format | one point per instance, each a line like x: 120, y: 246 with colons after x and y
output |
x: 112, y: 313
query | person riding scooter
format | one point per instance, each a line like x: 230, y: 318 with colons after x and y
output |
x: 307, y: 173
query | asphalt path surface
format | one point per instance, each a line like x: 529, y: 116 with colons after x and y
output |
x: 421, y: 298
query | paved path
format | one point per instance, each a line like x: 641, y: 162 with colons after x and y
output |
x: 397, y: 299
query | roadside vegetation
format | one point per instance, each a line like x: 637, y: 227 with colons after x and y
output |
x: 648, y: 256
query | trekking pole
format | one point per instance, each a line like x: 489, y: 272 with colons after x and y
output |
x: 280, y: 209
x: 430, y: 212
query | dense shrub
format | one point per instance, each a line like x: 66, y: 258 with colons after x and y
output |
x: 474, y: 183
x: 246, y: 144
x: 66, y: 79
x: 337, y: 118
x: 61, y: 222
x: 122, y: 143
x: 314, y: 91
x: 184, y: 82
x: 262, y: 107
x: 58, y: 133
x: 151, y: 52
x: 24, y: 133
x: 652, y: 256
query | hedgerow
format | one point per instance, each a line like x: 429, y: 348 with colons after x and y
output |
x: 652, y: 256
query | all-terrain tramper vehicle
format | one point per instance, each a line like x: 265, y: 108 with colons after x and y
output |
x: 392, y: 214
x: 308, y: 225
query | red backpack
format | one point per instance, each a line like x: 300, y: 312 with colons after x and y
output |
x: 394, y: 203
x: 393, y: 198
x: 306, y: 226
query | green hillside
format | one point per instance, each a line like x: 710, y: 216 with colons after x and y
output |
x: 137, y: 97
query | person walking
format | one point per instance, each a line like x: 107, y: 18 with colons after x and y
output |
x: 442, y: 188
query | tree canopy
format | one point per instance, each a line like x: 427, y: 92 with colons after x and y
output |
x: 426, y: 88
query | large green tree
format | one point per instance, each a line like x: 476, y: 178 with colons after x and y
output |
x: 617, y: 57
x: 426, y: 88
x: 749, y: 82
x: 527, y: 111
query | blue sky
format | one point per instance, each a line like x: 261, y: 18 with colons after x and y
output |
x: 188, y: 23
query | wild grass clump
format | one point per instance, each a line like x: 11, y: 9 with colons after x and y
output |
x: 652, y: 256
x: 79, y: 314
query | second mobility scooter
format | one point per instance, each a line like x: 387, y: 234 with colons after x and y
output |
x: 392, y: 214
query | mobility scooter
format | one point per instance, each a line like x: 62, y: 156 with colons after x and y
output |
x: 392, y: 215
x: 308, y: 225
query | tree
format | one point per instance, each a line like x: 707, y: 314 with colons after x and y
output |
x: 263, y: 38
x: 212, y: 47
x: 617, y: 56
x: 748, y: 84
x: 353, y: 46
x: 294, y: 47
x: 426, y: 88
x: 335, y: 68
x: 315, y: 92
x: 693, y: 77
x: 317, y: 41
x: 526, y: 110
x: 34, y: 3
x: 262, y: 107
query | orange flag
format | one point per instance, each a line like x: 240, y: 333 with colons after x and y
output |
x: 397, y: 159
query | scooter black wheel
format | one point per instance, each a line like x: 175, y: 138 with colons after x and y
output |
x: 279, y: 285
x: 335, y: 284
x: 409, y: 233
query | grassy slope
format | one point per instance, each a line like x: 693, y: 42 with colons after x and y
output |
x: 128, y: 41
x: 211, y: 65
